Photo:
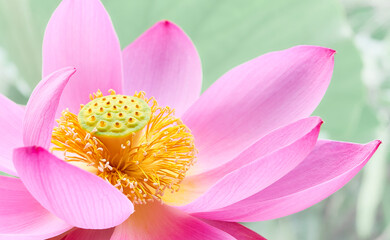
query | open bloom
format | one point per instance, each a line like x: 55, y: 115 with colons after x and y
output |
x: 120, y: 163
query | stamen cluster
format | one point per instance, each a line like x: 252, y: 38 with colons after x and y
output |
x: 145, y: 165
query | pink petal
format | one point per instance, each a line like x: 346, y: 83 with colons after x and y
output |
x: 328, y: 168
x: 22, y: 217
x: 78, y: 197
x: 80, y: 34
x: 262, y: 171
x: 11, y: 117
x: 42, y: 106
x: 255, y: 98
x: 157, y: 221
x: 237, y: 230
x: 164, y: 63
x: 88, y: 234
x: 194, y: 186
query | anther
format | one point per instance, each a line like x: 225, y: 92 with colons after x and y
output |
x: 142, y: 150
x: 87, y: 146
x: 87, y: 136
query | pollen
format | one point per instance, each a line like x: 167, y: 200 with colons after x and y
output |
x: 139, y: 147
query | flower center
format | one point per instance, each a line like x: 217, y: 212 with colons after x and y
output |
x: 130, y: 141
x: 115, y: 119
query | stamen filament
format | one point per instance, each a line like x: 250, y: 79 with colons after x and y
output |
x: 142, y: 164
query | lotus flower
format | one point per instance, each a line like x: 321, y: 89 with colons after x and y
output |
x: 125, y: 165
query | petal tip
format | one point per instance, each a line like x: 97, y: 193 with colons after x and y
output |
x: 167, y: 27
x: 330, y: 52
x: 166, y: 23
x: 30, y: 150
x: 26, y: 149
x: 46, y: 178
x: 70, y: 69
x: 327, y: 51
x: 318, y: 120
x: 376, y: 144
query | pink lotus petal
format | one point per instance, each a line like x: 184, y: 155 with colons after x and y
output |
x: 61, y: 236
x: 22, y: 217
x: 195, y: 185
x: 80, y: 34
x: 262, y: 171
x: 11, y: 117
x: 88, y: 234
x: 255, y: 98
x: 237, y: 230
x: 156, y: 221
x: 78, y: 197
x: 164, y: 63
x: 42, y: 106
x: 328, y: 168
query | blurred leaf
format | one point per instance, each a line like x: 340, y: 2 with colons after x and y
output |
x: 22, y: 24
x: 371, y: 192
x: 4, y: 174
x: 20, y: 37
x: 285, y: 229
x: 386, y: 206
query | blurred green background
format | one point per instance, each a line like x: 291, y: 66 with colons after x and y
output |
x: 227, y: 33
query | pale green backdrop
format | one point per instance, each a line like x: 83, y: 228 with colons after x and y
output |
x: 227, y: 33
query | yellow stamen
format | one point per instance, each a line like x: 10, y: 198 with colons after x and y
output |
x: 142, y: 162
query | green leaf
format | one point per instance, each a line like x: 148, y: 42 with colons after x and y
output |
x: 21, y: 38
x: 371, y: 191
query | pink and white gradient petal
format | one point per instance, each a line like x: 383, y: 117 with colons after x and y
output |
x: 194, y: 186
x: 261, y: 171
x: 80, y: 34
x: 78, y: 197
x: 89, y: 234
x: 22, y: 217
x: 255, y: 98
x: 328, y: 168
x: 42, y: 106
x: 164, y: 63
x: 11, y: 119
x: 155, y: 221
